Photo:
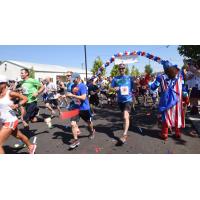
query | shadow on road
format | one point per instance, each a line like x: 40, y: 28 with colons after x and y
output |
x: 10, y: 150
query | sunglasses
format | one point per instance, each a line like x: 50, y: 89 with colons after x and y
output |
x: 68, y: 75
x: 121, y: 68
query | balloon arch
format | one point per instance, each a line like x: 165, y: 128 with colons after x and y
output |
x: 134, y: 53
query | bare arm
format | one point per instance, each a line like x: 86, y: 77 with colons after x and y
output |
x: 41, y: 89
x: 15, y: 95
x: 82, y: 97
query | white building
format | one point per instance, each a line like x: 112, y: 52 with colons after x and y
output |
x: 11, y: 69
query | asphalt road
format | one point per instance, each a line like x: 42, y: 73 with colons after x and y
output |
x: 143, y: 136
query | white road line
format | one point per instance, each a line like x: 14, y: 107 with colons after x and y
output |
x: 34, y: 140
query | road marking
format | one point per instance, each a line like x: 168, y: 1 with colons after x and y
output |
x: 34, y: 140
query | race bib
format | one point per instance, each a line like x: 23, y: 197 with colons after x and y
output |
x: 124, y: 90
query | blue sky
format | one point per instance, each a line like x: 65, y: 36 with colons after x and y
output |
x: 73, y: 55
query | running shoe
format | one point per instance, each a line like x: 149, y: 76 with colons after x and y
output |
x: 75, y: 144
x: 32, y: 149
x: 48, y: 122
x: 19, y: 145
x: 123, y: 139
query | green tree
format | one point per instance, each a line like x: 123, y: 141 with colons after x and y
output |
x: 32, y: 73
x: 97, y: 64
x: 115, y: 71
x: 127, y: 71
x: 148, y: 69
x: 189, y: 51
x: 134, y: 71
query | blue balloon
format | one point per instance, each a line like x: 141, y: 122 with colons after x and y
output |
x: 148, y: 55
x: 155, y: 58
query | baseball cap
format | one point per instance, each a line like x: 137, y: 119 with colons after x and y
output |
x: 75, y: 75
x: 3, y: 79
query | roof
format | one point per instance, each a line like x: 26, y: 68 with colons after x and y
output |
x: 44, y: 67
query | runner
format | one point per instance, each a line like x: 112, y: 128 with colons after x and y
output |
x: 61, y: 91
x: 51, y: 100
x: 154, y: 94
x: 123, y: 85
x: 80, y: 101
x: 111, y: 93
x: 102, y: 83
x: 31, y: 88
x: 68, y: 86
x: 8, y: 118
x: 93, y: 91
x: 143, y: 90
x: 172, y: 98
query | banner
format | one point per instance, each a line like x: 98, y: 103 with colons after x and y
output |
x: 126, y: 59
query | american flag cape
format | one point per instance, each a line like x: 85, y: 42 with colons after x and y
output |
x: 174, y: 116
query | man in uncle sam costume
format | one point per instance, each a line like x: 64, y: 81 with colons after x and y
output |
x: 173, y: 95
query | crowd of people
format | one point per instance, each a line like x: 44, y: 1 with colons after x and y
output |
x: 19, y: 101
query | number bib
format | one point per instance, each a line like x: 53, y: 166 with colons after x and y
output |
x: 124, y: 90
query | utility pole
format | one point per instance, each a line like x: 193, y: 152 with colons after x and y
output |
x: 85, y: 61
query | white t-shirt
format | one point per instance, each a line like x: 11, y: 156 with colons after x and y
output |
x: 51, y: 89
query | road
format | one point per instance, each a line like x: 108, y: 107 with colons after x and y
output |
x: 108, y: 125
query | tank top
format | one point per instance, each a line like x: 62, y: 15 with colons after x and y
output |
x: 6, y: 113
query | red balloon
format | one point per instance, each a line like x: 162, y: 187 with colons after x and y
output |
x: 151, y: 56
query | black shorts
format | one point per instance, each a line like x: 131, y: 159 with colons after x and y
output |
x: 125, y: 106
x: 52, y: 102
x: 94, y: 100
x: 195, y: 93
x: 84, y: 114
x: 31, y: 111
x: 61, y: 92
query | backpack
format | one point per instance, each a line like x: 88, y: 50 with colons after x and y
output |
x: 169, y: 97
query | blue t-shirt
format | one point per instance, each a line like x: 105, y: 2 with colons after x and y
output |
x: 79, y: 90
x: 125, y: 84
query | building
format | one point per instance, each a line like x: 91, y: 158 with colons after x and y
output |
x: 11, y: 69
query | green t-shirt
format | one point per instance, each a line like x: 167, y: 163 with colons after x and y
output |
x: 29, y: 87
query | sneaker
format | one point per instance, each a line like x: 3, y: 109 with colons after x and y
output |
x: 48, y: 122
x: 74, y: 144
x: 92, y: 135
x: 32, y: 149
x: 124, y: 139
x: 19, y: 145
